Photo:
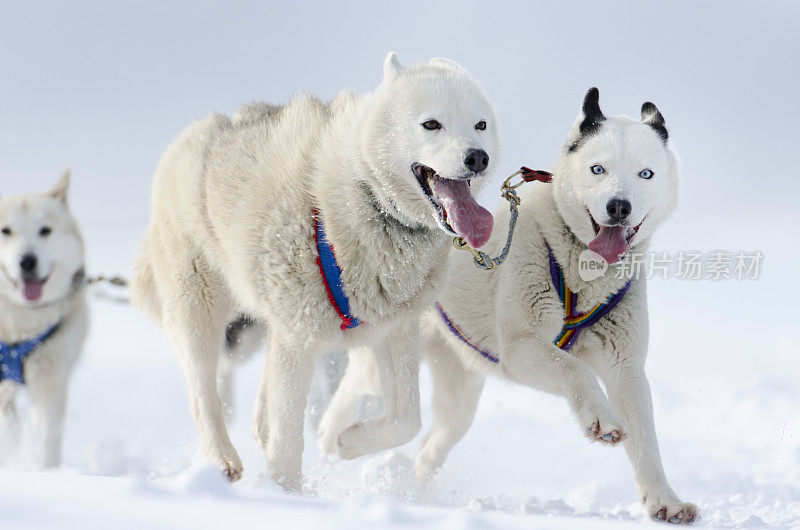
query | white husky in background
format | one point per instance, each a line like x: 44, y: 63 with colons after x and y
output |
x: 237, y: 209
x: 614, y: 184
x: 43, y: 311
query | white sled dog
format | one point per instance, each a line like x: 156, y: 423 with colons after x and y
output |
x: 614, y: 184
x: 43, y: 312
x: 328, y: 223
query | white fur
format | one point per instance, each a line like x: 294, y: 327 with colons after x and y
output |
x: 232, y: 231
x: 48, y: 368
x: 246, y: 342
x: 514, y: 312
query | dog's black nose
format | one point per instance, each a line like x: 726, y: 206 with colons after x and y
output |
x: 476, y: 160
x: 618, y: 209
x: 28, y: 263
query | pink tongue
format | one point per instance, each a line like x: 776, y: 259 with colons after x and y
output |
x: 469, y: 219
x: 610, y: 242
x: 32, y: 291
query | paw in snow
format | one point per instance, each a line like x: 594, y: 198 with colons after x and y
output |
x: 230, y: 464
x: 673, y: 512
x: 232, y: 471
x: 424, y: 468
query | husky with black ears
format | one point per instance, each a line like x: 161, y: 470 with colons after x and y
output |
x: 538, y: 322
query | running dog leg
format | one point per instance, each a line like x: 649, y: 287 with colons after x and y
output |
x: 550, y: 369
x: 48, y: 394
x: 397, y: 358
x: 9, y: 418
x: 225, y: 376
x: 281, y: 406
x: 196, y: 311
x: 360, y: 379
x: 243, y: 337
x: 456, y: 391
x: 629, y: 392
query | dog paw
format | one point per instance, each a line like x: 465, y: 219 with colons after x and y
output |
x: 600, y: 422
x: 604, y: 426
x: 347, y: 445
x: 424, y: 470
x: 672, y: 512
x: 229, y: 463
x: 429, y: 459
x: 608, y: 433
x: 233, y: 471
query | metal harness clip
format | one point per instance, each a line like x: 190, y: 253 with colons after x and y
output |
x: 507, y: 191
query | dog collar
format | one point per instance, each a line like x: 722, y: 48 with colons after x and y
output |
x: 331, y: 274
x: 13, y: 355
x: 574, y: 322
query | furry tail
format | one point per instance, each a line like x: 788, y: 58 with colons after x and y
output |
x: 144, y: 292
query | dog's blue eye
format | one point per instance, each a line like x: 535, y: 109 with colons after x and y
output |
x: 597, y: 169
x: 6, y: 231
x: 45, y: 231
x: 432, y: 125
x: 646, y: 173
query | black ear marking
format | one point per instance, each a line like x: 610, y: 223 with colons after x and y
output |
x: 592, y: 117
x: 652, y: 117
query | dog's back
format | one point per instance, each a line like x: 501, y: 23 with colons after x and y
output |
x: 218, y: 172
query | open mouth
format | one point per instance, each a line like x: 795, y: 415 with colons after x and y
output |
x: 456, y: 210
x: 612, y: 241
x: 31, y: 286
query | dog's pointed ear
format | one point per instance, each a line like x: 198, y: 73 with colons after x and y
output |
x: 445, y: 63
x: 59, y: 191
x: 652, y: 116
x: 588, y: 122
x: 592, y: 115
x: 391, y: 66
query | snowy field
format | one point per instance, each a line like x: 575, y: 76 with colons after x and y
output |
x: 103, y: 88
x: 726, y: 410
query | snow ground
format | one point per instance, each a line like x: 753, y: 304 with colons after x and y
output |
x: 726, y: 416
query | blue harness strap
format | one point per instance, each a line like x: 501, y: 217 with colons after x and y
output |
x: 574, y: 322
x: 12, y: 356
x: 332, y: 276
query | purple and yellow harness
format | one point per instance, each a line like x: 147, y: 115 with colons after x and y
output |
x: 574, y: 321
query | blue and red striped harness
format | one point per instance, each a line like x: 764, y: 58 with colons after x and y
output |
x: 331, y: 274
x: 574, y: 322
